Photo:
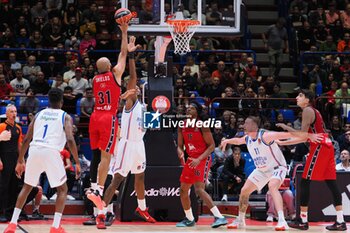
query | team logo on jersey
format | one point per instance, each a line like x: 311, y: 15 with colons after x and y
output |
x: 151, y: 120
x: 102, y: 85
x: 161, y: 103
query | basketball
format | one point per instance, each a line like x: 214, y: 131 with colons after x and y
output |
x: 122, y: 15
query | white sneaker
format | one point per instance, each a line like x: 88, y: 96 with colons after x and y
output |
x: 44, y: 198
x: 269, y: 218
x: 71, y: 198
x: 54, y: 197
x: 237, y: 224
x: 224, y: 197
x: 281, y: 226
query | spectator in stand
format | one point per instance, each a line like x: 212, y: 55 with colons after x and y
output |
x: 40, y: 85
x: 213, y: 16
x: 249, y: 105
x: 320, y: 33
x: 54, y: 7
x: 69, y: 100
x: 35, y: 39
x: 87, y: 104
x: 219, y: 71
x: 68, y: 75
x: 253, y: 70
x: 336, y: 128
x: 87, y: 26
x: 78, y: 83
x: 71, y: 11
x: 336, y: 71
x: 273, y: 40
x: 342, y: 99
x: 345, y: 67
x: 39, y: 12
x: 7, y: 38
x: 30, y: 70
x: 87, y: 43
x: 344, y: 144
x: 317, y: 75
x: 331, y: 15
x: 225, y: 119
x: 297, y: 18
x: 297, y: 122
x: 243, y: 61
x: 233, y: 173
x: 51, y: 68
x: 23, y: 37
x: 306, y: 37
x: 269, y: 85
x: 53, y: 32
x: 72, y: 34
x: 13, y: 63
x: 316, y: 15
x: 301, y: 4
x: 250, y: 83
x: 262, y: 102
x: 278, y: 104
x: 218, y: 135
x: 58, y: 82
x: 19, y: 84
x: 6, y: 90
x: 92, y: 15
x: 231, y: 129
x: 344, y: 165
x: 30, y: 104
x: 327, y: 65
x: 215, y: 89
x: 345, y: 19
x: 328, y: 45
x: 21, y: 23
x: 189, y: 79
x: 342, y: 44
x: 227, y: 79
x: 104, y: 40
x: 191, y: 63
x: 219, y: 159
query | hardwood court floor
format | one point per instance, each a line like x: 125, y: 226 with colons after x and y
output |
x: 74, y: 225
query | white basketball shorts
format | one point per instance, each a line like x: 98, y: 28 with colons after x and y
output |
x: 131, y: 157
x: 43, y: 159
x: 261, y: 178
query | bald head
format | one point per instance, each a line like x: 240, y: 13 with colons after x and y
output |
x: 103, y: 65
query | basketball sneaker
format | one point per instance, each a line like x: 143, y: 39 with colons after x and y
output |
x: 337, y: 227
x: 281, y: 226
x: 57, y: 230
x: 298, y: 224
x: 11, y: 228
x: 37, y: 215
x: 237, y: 224
x: 109, y: 219
x: 91, y: 221
x: 219, y: 222
x: 96, y: 198
x: 100, y: 221
x: 186, y: 223
x: 144, y: 215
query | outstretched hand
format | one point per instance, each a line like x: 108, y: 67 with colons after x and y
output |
x: 223, y: 144
x: 128, y: 93
x: 316, y: 138
x: 131, y: 46
x: 124, y: 26
x: 282, y: 125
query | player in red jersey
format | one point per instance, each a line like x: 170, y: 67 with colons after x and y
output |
x: 320, y: 164
x: 103, y: 125
x: 199, y: 144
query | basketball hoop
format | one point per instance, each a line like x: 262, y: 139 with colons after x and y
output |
x: 182, y: 31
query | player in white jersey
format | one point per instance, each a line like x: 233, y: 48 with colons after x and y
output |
x: 131, y: 156
x: 270, y: 166
x: 47, y: 135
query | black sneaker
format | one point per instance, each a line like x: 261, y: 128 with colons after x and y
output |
x: 109, y: 219
x: 337, y: 227
x: 298, y: 224
x: 91, y: 221
x: 36, y: 215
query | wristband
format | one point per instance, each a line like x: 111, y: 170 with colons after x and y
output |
x: 131, y: 55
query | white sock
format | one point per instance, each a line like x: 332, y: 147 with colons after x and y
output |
x: 241, y: 215
x: 216, y: 212
x: 100, y: 189
x: 340, y: 216
x: 142, y: 204
x: 57, y: 220
x: 303, y: 216
x: 15, y: 215
x: 110, y: 208
x: 103, y: 211
x: 189, y: 214
x: 94, y: 186
x: 95, y: 211
x: 281, y: 216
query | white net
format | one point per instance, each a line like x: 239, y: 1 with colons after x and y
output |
x: 182, y: 32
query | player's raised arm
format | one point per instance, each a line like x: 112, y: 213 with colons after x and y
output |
x: 234, y: 141
x: 132, y: 67
x: 299, y: 137
x: 68, y: 128
x: 119, y: 69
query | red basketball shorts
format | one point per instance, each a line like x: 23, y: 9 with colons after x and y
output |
x: 320, y: 164
x: 198, y: 174
x: 103, y: 131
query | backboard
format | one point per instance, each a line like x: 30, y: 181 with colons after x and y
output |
x: 219, y: 17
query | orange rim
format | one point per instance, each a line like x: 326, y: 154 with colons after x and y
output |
x: 182, y: 25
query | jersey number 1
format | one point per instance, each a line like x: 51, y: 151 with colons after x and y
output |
x: 257, y: 151
x: 104, y: 97
x: 45, y: 130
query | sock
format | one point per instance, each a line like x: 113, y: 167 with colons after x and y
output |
x: 100, y: 189
x: 94, y: 186
x: 216, y: 212
x: 241, y: 215
x: 103, y: 211
x: 57, y: 220
x: 36, y: 208
x: 15, y: 215
x: 142, y: 204
x: 189, y: 214
x: 303, y: 216
x: 110, y: 208
x: 281, y: 216
x: 95, y: 211
x: 340, y: 216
